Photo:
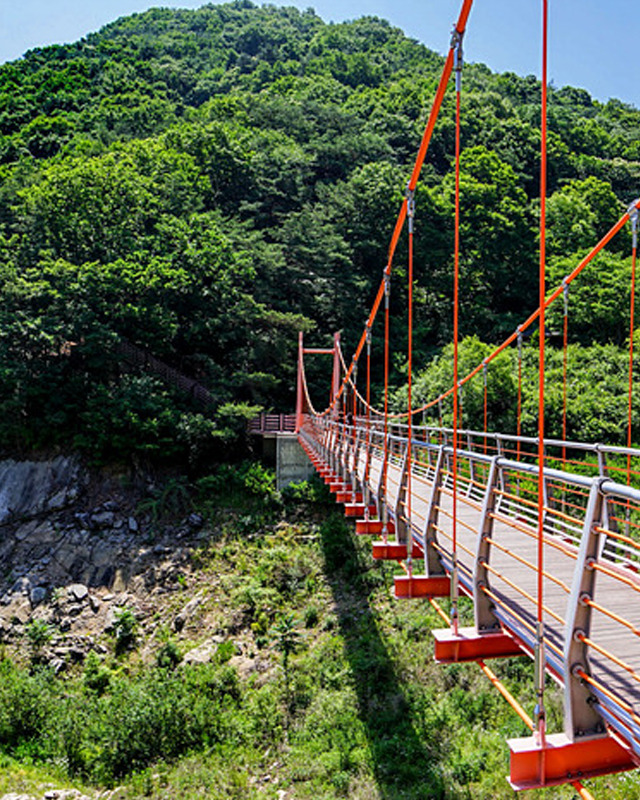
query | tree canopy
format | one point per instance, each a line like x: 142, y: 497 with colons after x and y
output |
x: 204, y: 184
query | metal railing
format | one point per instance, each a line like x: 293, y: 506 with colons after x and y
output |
x: 591, y: 528
x: 141, y: 358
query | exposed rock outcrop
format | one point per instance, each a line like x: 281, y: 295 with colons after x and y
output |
x: 31, y: 488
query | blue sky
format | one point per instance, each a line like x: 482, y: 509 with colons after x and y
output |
x: 594, y: 49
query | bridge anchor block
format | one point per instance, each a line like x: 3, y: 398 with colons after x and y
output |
x: 421, y: 586
x: 561, y: 760
x: 470, y: 645
x: 366, y: 527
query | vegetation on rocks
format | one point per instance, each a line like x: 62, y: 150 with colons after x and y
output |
x: 294, y: 675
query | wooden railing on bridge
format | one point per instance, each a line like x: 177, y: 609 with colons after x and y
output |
x: 591, y: 555
x: 272, y: 423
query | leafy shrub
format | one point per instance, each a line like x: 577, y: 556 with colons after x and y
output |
x: 169, y: 655
x: 284, y: 569
x: 256, y: 599
x: 125, y: 630
x: 96, y: 674
x: 130, y: 723
x: 28, y: 703
x: 39, y: 634
x: 311, y: 492
x: 311, y: 616
x: 247, y: 485
x: 224, y: 652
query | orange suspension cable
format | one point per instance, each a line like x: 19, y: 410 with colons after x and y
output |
x: 419, y: 162
x: 367, y: 469
x: 456, y: 43
x: 633, y: 216
x: 539, y: 649
x: 611, y: 233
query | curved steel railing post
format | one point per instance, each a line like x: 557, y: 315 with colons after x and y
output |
x: 432, y: 562
x: 403, y: 525
x: 580, y: 715
x: 485, y: 619
x: 353, y: 464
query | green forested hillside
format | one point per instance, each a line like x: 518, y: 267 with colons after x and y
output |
x: 201, y: 185
x: 206, y: 183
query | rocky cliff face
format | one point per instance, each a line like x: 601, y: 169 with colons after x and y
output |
x: 82, y: 552
x: 71, y: 562
x: 31, y: 488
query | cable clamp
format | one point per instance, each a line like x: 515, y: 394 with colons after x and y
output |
x: 387, y: 286
x: 519, y: 340
x: 565, y: 295
x: 484, y: 370
x: 456, y: 41
x: 411, y: 207
x: 632, y: 211
x: 458, y: 58
x: 369, y: 338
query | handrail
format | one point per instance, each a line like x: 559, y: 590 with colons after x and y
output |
x: 592, y: 624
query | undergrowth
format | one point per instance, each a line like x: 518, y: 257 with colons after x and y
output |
x: 336, y: 695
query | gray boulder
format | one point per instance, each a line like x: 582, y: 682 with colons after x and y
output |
x: 30, y: 488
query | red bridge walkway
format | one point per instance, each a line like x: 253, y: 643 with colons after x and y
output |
x: 542, y: 535
x: 591, y: 581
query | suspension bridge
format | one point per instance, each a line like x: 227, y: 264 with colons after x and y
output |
x: 542, y: 534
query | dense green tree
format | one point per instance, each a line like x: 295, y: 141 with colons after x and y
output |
x: 580, y: 213
x: 204, y: 184
x: 497, y: 243
x: 598, y: 299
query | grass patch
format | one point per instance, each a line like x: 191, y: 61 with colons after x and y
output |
x: 333, y: 694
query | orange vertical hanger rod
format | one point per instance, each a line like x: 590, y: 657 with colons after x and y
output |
x: 484, y: 403
x: 456, y: 44
x: 539, y: 649
x: 411, y: 215
x: 633, y: 216
x: 519, y: 409
x: 565, y: 345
